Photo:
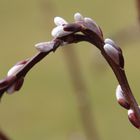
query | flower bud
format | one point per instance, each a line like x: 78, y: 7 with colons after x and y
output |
x: 59, y: 32
x: 15, y: 69
x: 112, y: 53
x: 92, y: 25
x: 78, y: 17
x: 133, y: 119
x: 12, y: 73
x: 16, y: 86
x: 59, y: 21
x: 44, y: 46
x: 111, y: 42
x: 6, y: 81
x: 121, y: 98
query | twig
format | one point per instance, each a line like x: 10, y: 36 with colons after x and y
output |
x: 138, y: 9
x: 3, y: 136
x: 66, y: 33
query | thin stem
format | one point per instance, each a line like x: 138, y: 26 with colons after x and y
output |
x: 3, y: 136
x: 138, y: 9
x: 121, y: 77
x: 5, y: 84
x: 39, y: 56
x: 34, y: 60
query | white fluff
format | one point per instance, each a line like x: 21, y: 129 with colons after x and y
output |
x: 59, y: 32
x: 14, y: 70
x: 112, y: 52
x: 44, y: 46
x: 130, y: 111
x: 78, y: 17
x: 59, y: 21
x: 111, y: 42
x: 110, y: 49
x: 119, y: 93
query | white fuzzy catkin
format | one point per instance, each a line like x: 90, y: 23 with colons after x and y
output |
x: 44, y: 46
x: 59, y: 32
x: 119, y: 93
x: 109, y: 41
x: 59, y: 21
x: 14, y: 70
x: 78, y: 17
x: 112, y: 52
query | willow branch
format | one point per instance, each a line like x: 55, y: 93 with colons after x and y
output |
x: 83, y: 29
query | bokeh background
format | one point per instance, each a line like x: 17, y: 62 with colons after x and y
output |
x: 46, y: 108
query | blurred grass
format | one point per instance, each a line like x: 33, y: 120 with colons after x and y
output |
x: 46, y: 108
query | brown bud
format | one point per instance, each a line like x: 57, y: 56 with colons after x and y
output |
x: 121, y: 98
x: 16, y: 86
x: 19, y: 84
x: 93, y: 26
x: 113, y: 53
x: 133, y: 119
x: 120, y: 55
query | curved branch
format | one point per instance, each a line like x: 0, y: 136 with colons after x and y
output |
x: 66, y: 33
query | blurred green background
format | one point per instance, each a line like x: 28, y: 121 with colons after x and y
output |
x: 46, y: 107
